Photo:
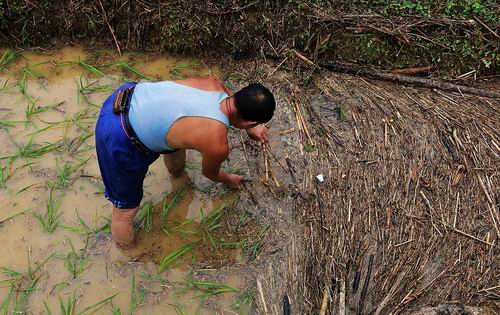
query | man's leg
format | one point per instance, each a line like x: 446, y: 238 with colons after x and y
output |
x: 175, y: 162
x: 122, y: 227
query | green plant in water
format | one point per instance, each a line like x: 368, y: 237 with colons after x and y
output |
x: 144, y: 216
x: 50, y: 220
x: 167, y: 207
x: 256, y: 245
x: 75, y: 263
x: 176, y: 69
x: 8, y: 57
x: 169, y: 259
x: 69, y: 307
x: 208, y: 288
x: 33, y: 109
x: 179, y: 309
x: 85, y: 65
x: 31, y: 71
x: 127, y: 69
x: 244, y: 301
x: 30, y: 150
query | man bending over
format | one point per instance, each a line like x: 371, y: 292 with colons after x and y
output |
x: 140, y: 121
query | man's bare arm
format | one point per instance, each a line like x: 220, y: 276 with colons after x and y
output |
x: 211, y: 168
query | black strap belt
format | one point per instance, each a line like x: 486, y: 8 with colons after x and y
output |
x: 121, y: 106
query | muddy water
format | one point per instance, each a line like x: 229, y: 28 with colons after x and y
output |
x: 42, y: 106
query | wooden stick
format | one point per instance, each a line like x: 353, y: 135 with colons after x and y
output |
x: 262, y: 299
x: 324, y: 303
x: 342, y: 297
x: 429, y: 83
x: 110, y: 28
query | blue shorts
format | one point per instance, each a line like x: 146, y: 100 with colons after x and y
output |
x: 122, y: 166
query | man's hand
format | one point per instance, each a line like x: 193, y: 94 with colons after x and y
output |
x: 234, y: 181
x: 258, y: 133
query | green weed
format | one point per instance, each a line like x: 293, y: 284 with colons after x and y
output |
x: 95, y: 305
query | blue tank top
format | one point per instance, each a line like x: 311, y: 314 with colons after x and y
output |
x: 155, y: 107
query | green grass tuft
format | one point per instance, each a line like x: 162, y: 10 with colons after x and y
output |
x: 50, y: 220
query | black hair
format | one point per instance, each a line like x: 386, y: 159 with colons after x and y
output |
x: 255, y: 103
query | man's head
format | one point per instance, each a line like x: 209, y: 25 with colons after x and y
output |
x: 254, y: 104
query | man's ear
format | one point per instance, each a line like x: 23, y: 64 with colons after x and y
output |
x: 248, y: 124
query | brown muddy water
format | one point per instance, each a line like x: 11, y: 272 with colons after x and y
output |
x: 48, y: 107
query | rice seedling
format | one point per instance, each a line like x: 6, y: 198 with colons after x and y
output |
x: 22, y: 285
x: 94, y: 87
x: 167, y: 207
x: 208, y: 288
x: 76, y: 145
x: 84, y: 228
x: 136, y: 296
x: 92, y: 69
x: 63, y: 178
x: 4, y: 307
x: 32, y: 108
x: 75, y: 263
x: 30, y: 150
x: 50, y: 220
x: 23, y: 89
x: 65, y: 175
x: 213, y: 220
x: 69, y: 307
x: 255, y: 246
x: 176, y: 69
x: 179, y: 309
x: 244, y: 301
x: 128, y: 69
x: 116, y: 311
x: 144, y: 217
x: 8, y: 57
x: 5, y: 124
x: 20, y: 302
x: 5, y: 173
x: 31, y: 71
x: 94, y: 306
x: 169, y: 259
